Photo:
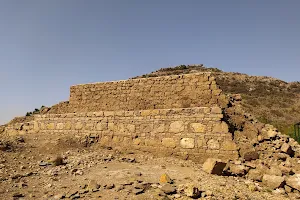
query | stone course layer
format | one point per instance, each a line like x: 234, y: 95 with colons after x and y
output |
x: 197, y: 132
x: 180, y: 91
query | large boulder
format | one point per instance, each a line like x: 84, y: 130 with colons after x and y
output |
x: 273, y: 181
x: 294, y: 181
x: 213, y: 166
x: 286, y: 148
x: 255, y: 174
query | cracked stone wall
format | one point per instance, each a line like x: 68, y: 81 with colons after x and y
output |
x: 180, y: 91
x: 197, y: 132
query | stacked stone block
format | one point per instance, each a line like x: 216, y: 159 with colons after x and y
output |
x: 181, y: 91
x: 195, y: 132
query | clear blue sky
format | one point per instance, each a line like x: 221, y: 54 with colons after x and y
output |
x: 46, y: 46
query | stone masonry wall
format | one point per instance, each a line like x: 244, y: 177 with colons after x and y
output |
x: 197, y: 132
x: 180, y: 91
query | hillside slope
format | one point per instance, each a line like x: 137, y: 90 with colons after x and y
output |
x: 269, y: 99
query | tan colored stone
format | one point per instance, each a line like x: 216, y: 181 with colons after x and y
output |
x: 50, y: 126
x: 286, y: 148
x: 274, y: 170
x: 272, y: 181
x: 145, y: 112
x: 294, y: 181
x: 187, y: 143
x: 229, y: 145
x: 105, y: 140
x: 68, y: 126
x: 213, y: 144
x: 213, y: 166
x: 137, y: 141
x: 60, y: 126
x: 36, y: 127
x: 159, y: 128
x: 78, y: 126
x: 220, y: 128
x: 169, y: 142
x: 255, y: 174
x: 112, y: 127
x: 200, y: 142
x: 151, y: 142
x: 117, y: 139
x: 101, y: 126
x: 192, y: 191
x: 176, y: 127
x: 197, y: 127
x: 130, y: 128
x: 216, y: 110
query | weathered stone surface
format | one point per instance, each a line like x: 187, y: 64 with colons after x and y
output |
x: 168, y: 189
x: 187, y: 143
x: 60, y: 126
x: 198, y: 127
x: 68, y: 126
x: 286, y: 148
x: 221, y: 127
x: 255, y: 174
x: 273, y: 181
x: 192, y: 191
x: 251, y: 155
x: 294, y: 181
x: 229, y: 145
x: 78, y: 126
x: 216, y: 110
x: 274, y: 170
x: 213, y: 166
x: 176, y: 127
x: 50, y: 126
x: 213, y: 144
x: 239, y: 170
x: 168, y: 142
x: 101, y: 126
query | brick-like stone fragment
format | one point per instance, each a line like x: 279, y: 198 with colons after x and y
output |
x: 197, y: 127
x: 213, y: 144
x: 60, y: 126
x: 220, y: 128
x: 101, y: 126
x: 229, y: 145
x: 216, y: 110
x: 130, y: 128
x: 50, y: 126
x: 176, y: 127
x: 213, y: 166
x: 68, y: 126
x: 169, y: 142
x: 286, y: 148
x: 78, y: 126
x: 187, y: 143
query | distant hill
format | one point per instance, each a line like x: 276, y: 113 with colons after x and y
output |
x: 269, y: 99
